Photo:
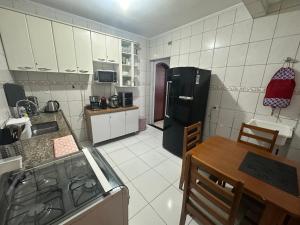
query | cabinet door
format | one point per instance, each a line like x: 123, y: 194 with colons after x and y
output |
x: 16, y: 42
x: 113, y: 49
x: 100, y: 128
x: 65, y: 49
x: 41, y: 36
x: 83, y: 49
x: 117, y: 124
x: 132, y: 121
x: 98, y: 47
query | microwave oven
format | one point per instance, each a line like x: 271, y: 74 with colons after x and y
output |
x: 105, y: 76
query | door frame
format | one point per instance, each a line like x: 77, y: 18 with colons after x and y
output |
x: 152, y: 85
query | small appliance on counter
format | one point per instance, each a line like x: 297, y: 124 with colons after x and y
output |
x: 113, y: 101
x: 52, y: 106
x: 103, y: 103
x: 105, y: 76
x: 125, y: 99
x: 94, y: 102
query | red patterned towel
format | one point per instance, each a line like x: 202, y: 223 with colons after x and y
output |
x: 280, y: 89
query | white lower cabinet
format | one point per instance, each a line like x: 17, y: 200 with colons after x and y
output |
x: 117, y: 124
x: 112, y: 125
x: 132, y: 121
x: 100, y: 128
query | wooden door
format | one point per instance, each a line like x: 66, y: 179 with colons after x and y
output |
x: 160, y: 92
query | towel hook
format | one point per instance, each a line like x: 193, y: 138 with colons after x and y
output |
x: 289, y: 61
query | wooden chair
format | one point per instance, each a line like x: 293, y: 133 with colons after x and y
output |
x: 268, y: 141
x: 204, y: 200
x: 191, y: 138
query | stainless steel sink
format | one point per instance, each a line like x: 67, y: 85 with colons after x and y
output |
x: 44, y: 128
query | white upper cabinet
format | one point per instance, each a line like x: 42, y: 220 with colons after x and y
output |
x: 112, y: 49
x: 65, y: 49
x: 98, y: 47
x: 41, y: 36
x: 83, y: 49
x: 15, y: 37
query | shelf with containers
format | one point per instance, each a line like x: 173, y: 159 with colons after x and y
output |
x: 129, y: 64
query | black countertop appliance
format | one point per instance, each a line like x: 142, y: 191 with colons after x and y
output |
x: 186, y: 99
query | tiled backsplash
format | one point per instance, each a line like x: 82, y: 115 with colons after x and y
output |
x: 243, y: 55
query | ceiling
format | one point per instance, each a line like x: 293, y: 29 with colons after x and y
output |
x: 145, y: 17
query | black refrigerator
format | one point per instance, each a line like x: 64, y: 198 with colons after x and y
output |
x: 186, y: 99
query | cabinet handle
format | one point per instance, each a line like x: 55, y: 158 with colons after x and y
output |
x: 111, y: 60
x: 27, y: 67
x: 24, y: 68
x: 43, y: 69
x: 21, y: 68
x: 68, y: 70
x: 83, y: 71
x: 101, y: 59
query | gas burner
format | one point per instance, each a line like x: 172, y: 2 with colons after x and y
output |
x: 84, y: 189
x: 90, y: 184
x: 42, y: 209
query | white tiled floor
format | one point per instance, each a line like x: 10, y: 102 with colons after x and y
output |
x: 152, y: 175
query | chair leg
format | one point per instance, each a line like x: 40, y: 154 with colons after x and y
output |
x: 182, y: 217
x: 182, y: 174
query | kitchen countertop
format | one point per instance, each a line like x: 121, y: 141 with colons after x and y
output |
x: 39, y: 149
x: 89, y: 112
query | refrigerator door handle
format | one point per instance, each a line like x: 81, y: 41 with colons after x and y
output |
x: 167, y: 98
x: 186, y: 98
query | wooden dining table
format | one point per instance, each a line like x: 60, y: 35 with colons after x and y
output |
x: 227, y: 155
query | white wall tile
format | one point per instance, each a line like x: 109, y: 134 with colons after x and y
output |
x: 174, y: 61
x: 197, y: 28
x: 175, y: 47
x: 210, y: 23
x: 241, y: 117
x: 261, y: 109
x: 184, y: 45
x: 247, y: 101
x: 241, y: 32
x: 288, y: 24
x: 223, y: 37
x: 206, y: 59
x: 283, y: 48
x: 229, y: 99
x: 237, y: 55
x: 253, y: 76
x: 208, y: 40
x: 226, y: 117
x: 196, y: 43
x: 218, y: 76
x: 233, y: 76
x: 270, y: 71
x: 220, y: 57
x: 194, y: 59
x: 293, y: 110
x: 242, y: 14
x: 223, y: 131
x: 263, y: 28
x: 226, y: 18
x: 186, y: 32
x: 258, y: 52
x: 184, y: 60
x: 176, y: 35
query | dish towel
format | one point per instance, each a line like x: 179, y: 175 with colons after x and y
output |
x: 64, y: 146
x: 280, y: 89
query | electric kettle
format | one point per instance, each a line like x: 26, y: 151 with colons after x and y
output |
x: 52, y: 106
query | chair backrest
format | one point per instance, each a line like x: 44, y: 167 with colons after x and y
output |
x: 206, y: 201
x: 191, y: 136
x: 265, y: 137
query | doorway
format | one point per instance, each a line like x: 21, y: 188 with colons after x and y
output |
x: 160, y: 94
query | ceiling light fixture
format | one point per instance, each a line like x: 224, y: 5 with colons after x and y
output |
x: 124, y: 4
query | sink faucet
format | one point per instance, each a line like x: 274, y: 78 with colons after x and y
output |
x: 20, y: 114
